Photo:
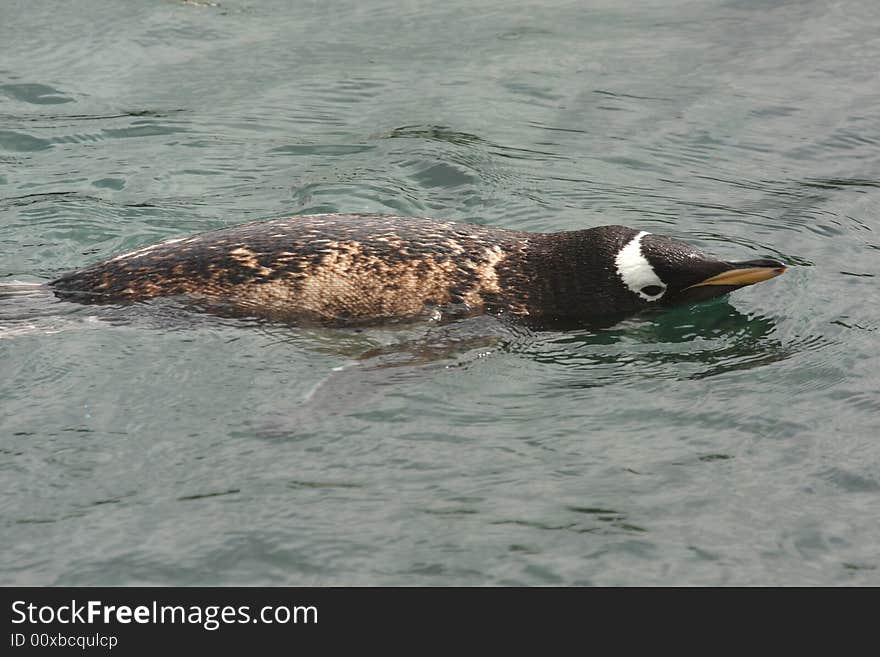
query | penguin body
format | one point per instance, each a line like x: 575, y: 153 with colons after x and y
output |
x: 346, y: 269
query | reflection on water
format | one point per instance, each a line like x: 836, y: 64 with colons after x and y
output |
x: 691, y: 342
x: 694, y: 341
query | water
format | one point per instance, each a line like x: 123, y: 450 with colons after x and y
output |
x: 735, y: 442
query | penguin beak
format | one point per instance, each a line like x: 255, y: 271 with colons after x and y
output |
x: 741, y: 274
x: 720, y: 277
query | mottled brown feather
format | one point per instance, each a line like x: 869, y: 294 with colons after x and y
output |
x: 328, y: 269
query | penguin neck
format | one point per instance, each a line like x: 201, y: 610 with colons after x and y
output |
x: 569, y: 275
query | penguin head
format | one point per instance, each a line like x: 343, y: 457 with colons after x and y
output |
x: 655, y: 270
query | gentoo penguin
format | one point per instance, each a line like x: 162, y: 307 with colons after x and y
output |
x: 348, y: 269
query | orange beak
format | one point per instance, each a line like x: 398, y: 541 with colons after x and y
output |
x: 746, y: 273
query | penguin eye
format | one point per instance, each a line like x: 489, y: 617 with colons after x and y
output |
x: 652, y: 290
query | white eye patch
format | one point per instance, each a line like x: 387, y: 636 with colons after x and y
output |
x: 636, y: 272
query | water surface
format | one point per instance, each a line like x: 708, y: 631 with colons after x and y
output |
x: 734, y: 442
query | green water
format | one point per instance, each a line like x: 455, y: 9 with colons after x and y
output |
x: 735, y: 442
